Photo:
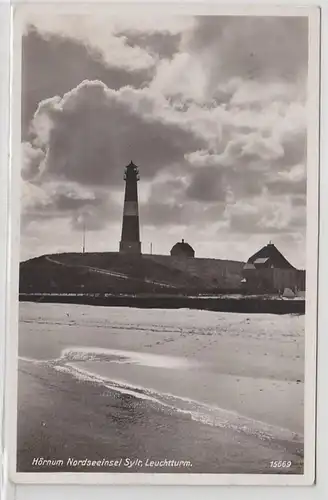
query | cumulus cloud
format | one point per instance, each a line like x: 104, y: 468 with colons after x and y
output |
x: 220, y: 50
x: 98, y: 37
x: 292, y: 181
x: 161, y: 44
x: 187, y: 216
x: 118, y: 42
x: 251, y: 47
x: 212, y: 110
x: 185, y: 201
x: 90, y: 209
x: 262, y: 215
x: 91, y: 133
x: 32, y: 158
x: 54, y: 65
x: 207, y: 185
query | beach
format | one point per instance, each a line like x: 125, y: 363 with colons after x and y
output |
x: 184, y: 390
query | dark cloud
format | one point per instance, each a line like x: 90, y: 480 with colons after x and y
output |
x: 63, y: 201
x: 168, y: 190
x: 249, y: 163
x: 264, y: 220
x: 207, y: 185
x: 95, y: 132
x: 251, y: 47
x: 244, y: 182
x: 164, y: 45
x: 53, y: 65
x: 214, y: 117
x: 282, y: 187
x: 251, y: 224
x: 97, y: 218
x: 295, y: 148
x: 95, y: 208
x: 298, y: 201
x: 298, y: 221
x: 189, y: 213
x: 158, y: 214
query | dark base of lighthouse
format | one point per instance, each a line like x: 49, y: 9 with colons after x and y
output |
x: 131, y: 247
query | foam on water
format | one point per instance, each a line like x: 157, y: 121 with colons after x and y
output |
x: 196, y: 410
x: 84, y: 354
x: 31, y: 360
x: 77, y: 354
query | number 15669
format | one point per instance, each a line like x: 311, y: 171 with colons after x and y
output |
x: 280, y: 464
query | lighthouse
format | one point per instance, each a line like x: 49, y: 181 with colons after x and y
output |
x: 130, y: 240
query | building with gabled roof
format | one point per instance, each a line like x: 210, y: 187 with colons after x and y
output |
x: 269, y: 257
x: 268, y: 271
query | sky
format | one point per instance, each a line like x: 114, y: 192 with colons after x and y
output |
x: 212, y: 109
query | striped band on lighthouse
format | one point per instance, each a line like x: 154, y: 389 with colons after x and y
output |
x: 130, y: 240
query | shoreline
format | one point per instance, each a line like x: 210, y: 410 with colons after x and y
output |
x: 51, y: 439
x: 223, y: 390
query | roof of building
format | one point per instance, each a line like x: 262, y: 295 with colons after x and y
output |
x: 261, y: 260
x: 269, y: 254
x: 182, y: 246
x: 131, y: 165
x: 248, y: 265
x: 131, y: 171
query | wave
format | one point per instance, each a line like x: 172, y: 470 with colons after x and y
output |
x: 196, y: 410
x: 99, y: 354
x: 77, y: 354
x: 32, y: 360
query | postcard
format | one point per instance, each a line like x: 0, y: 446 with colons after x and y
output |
x: 164, y: 236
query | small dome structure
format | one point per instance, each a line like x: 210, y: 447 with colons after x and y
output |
x: 182, y: 249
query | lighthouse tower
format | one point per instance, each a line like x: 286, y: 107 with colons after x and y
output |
x: 130, y: 240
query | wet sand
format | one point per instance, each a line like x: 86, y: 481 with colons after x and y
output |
x: 61, y: 418
x: 223, y: 392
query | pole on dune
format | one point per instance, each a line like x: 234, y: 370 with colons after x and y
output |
x: 83, y: 240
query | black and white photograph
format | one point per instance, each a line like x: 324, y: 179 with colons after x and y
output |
x: 167, y: 167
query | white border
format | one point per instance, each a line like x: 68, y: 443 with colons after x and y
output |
x: 307, y: 478
x: 4, y: 140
